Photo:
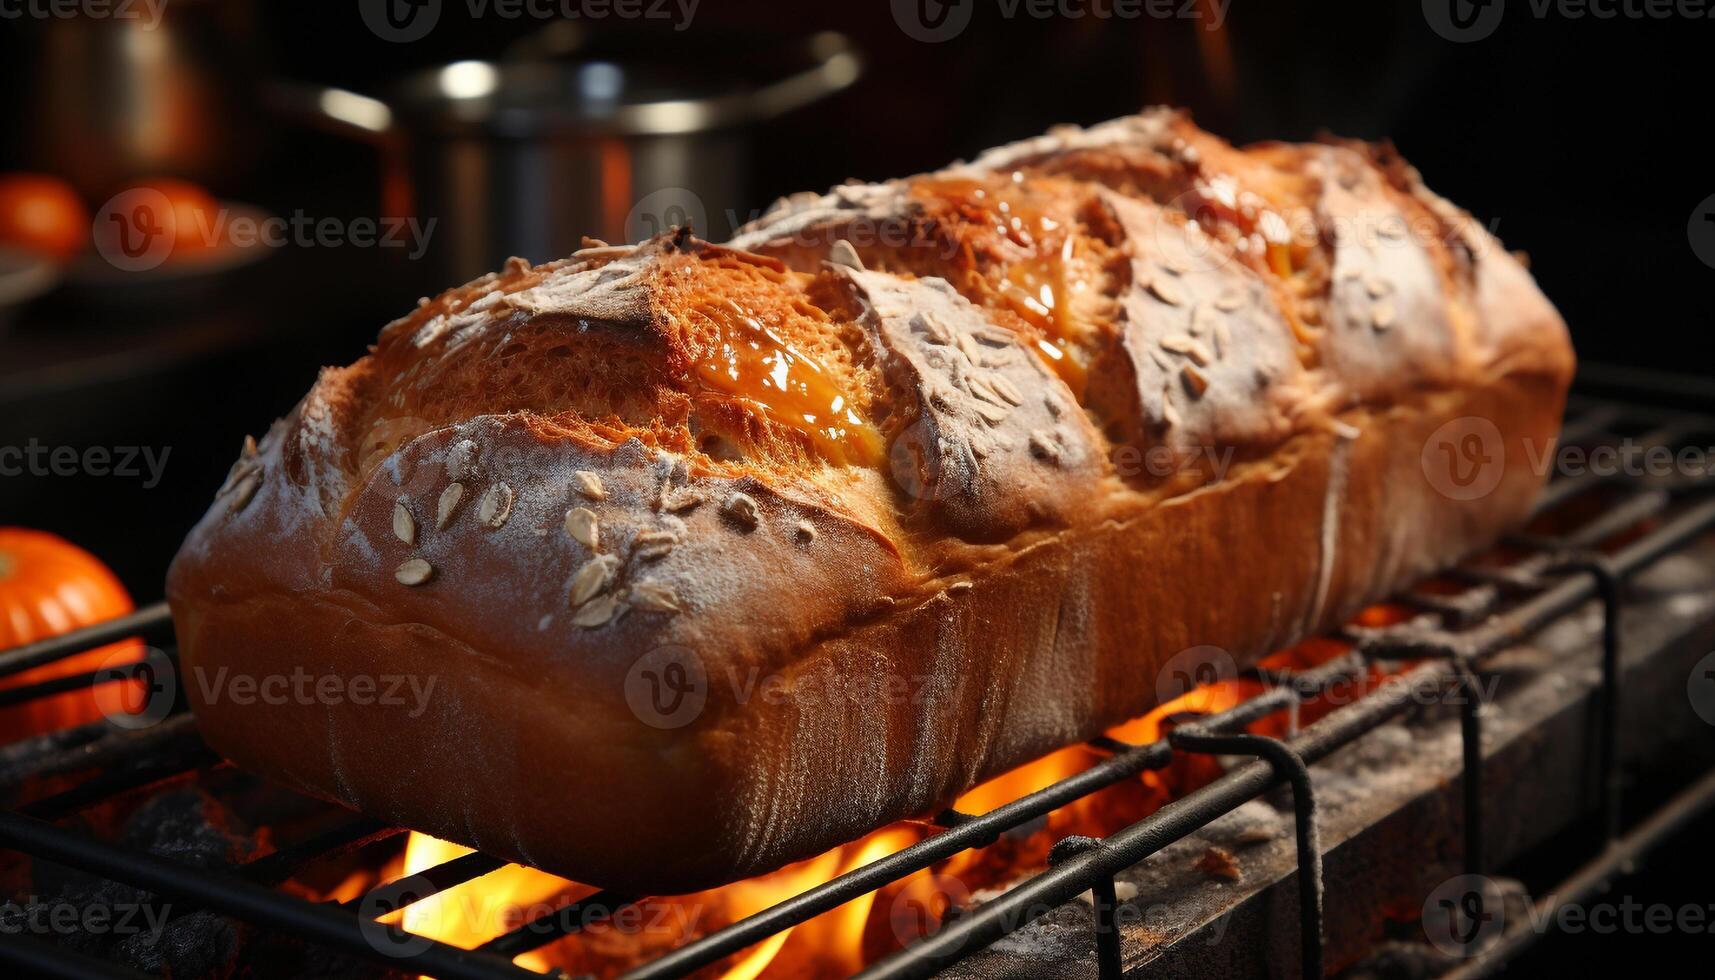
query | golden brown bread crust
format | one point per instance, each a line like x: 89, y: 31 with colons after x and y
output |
x: 900, y: 521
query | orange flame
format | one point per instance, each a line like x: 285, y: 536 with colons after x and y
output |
x: 845, y: 939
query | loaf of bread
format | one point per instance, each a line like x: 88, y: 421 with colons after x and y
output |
x: 682, y: 561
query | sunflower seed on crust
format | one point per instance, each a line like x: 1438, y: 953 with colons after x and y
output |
x: 740, y: 508
x: 654, y: 597
x: 842, y: 253
x: 1231, y: 300
x: 971, y: 349
x: 582, y: 525
x: 1178, y: 343
x: 1376, y: 286
x: 404, y: 525
x: 981, y: 389
x: 681, y: 500
x: 1166, y: 290
x: 932, y: 327
x: 590, y: 485
x: 414, y: 572
x: 592, y: 579
x: 448, y: 505
x: 496, y: 505
x: 992, y: 414
x: 596, y: 612
x: 1382, y: 316
x: 244, y: 491
x: 654, y: 545
x: 1005, y: 388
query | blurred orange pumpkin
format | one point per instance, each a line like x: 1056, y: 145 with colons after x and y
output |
x: 49, y: 586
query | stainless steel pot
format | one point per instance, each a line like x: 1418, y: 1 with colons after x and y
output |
x: 525, y: 157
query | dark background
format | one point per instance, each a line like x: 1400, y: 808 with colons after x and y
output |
x: 1572, y: 138
x: 1575, y: 139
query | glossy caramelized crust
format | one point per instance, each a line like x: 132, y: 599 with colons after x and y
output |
x: 710, y: 557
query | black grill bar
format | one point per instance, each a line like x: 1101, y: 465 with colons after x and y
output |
x: 92, y: 746
x: 1620, y: 856
x: 561, y: 922
x: 1035, y: 897
x: 255, y: 903
x: 148, y: 621
x: 271, y: 869
x: 1451, y: 635
x: 1045, y: 892
x: 1291, y: 768
x: 968, y: 832
x: 428, y: 883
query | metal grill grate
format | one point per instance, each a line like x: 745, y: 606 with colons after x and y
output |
x: 1451, y: 636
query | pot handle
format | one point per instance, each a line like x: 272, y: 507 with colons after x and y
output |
x: 336, y: 110
x: 838, y: 65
